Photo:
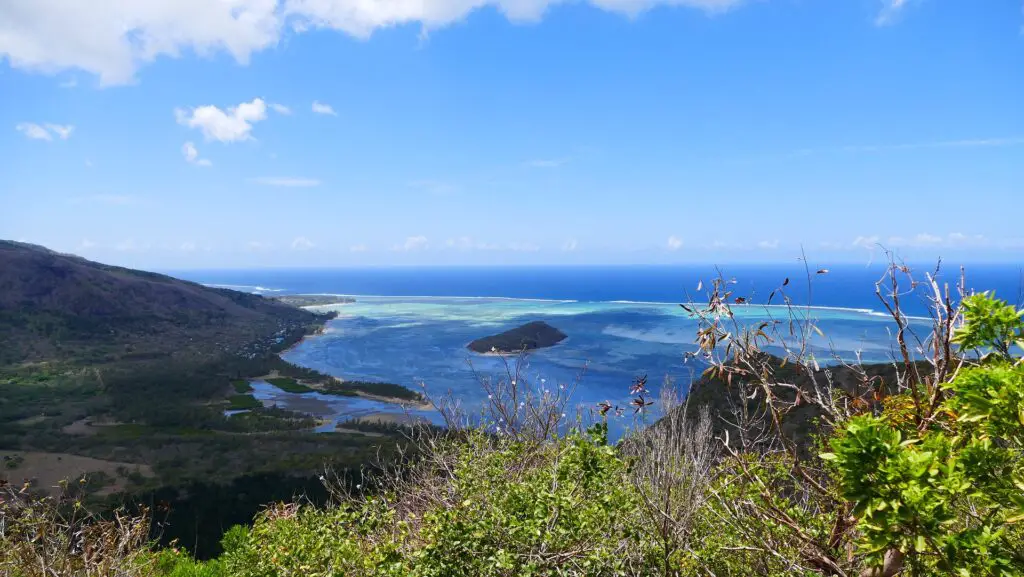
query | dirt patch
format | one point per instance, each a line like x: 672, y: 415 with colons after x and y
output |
x: 46, y: 470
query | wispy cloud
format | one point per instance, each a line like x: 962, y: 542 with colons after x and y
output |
x: 131, y: 246
x: 920, y: 240
x: 768, y: 244
x: 302, y: 243
x: 963, y: 143
x: 358, y: 248
x: 674, y: 243
x: 465, y: 243
x: 62, y: 130
x: 868, y: 242
x: 280, y: 108
x: 234, y: 124
x: 287, y: 181
x: 890, y: 12
x: 45, y: 131
x: 570, y: 245
x: 192, y: 155
x: 321, y: 108
x: 69, y: 83
x: 412, y: 243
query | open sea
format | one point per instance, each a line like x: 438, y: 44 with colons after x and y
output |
x: 411, y: 325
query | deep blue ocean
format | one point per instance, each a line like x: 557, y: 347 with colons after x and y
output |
x: 844, y: 286
x: 411, y: 325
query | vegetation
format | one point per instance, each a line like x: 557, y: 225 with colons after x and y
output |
x: 330, y: 386
x: 314, y: 300
x: 388, y: 390
x: 916, y: 470
x: 289, y: 385
x: 240, y: 402
x: 241, y: 386
x: 534, y: 335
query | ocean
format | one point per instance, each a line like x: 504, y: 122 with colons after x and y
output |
x: 411, y: 325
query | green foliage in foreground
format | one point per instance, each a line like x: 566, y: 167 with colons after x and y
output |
x: 947, y: 492
x: 513, y: 509
x: 927, y: 483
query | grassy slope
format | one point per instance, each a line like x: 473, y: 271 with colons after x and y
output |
x: 136, y: 367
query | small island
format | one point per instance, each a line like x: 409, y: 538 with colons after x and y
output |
x: 534, y: 335
x: 313, y: 300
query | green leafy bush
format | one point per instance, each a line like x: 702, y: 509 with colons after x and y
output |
x: 946, y: 490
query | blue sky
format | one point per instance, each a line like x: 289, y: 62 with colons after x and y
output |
x: 189, y: 133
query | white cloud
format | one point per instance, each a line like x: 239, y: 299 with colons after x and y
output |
x: 466, y: 243
x: 114, y: 38
x: 361, y: 19
x: 85, y: 245
x: 674, y: 243
x: 302, y: 243
x: 280, y: 108
x: 927, y: 239
x: 768, y: 244
x: 258, y: 245
x: 33, y: 131
x: 62, y: 130
x: 868, y: 242
x: 232, y: 125
x: 192, y: 155
x: 412, y: 243
x: 952, y: 240
x: 287, y: 181
x: 69, y: 83
x: 187, y: 247
x: 131, y: 246
x: 358, y: 248
x: 461, y: 243
x: 570, y: 245
x: 890, y: 12
x: 961, y: 239
x: 321, y: 108
x: 46, y: 131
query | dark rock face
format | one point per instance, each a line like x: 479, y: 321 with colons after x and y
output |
x: 528, y: 337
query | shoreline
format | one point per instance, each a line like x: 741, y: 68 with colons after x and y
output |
x: 424, y: 405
